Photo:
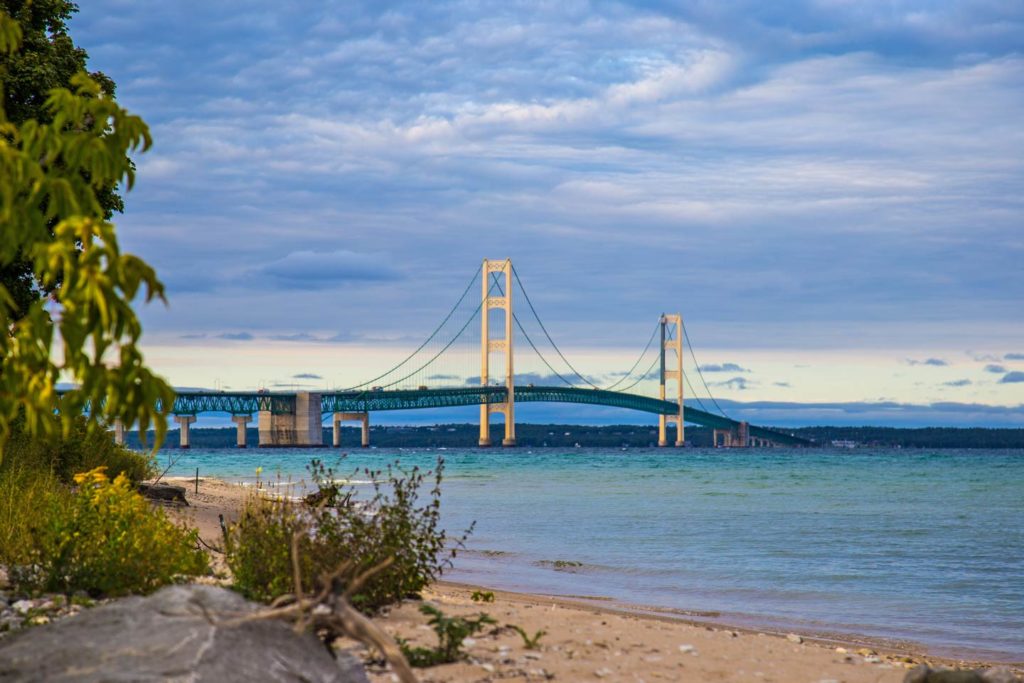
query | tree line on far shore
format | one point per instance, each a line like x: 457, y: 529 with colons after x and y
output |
x: 622, y: 436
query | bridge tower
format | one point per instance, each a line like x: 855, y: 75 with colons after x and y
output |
x: 504, y: 345
x: 671, y: 371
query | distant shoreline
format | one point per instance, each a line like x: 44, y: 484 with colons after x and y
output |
x: 465, y: 435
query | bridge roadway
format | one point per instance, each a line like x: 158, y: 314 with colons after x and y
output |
x: 191, y: 403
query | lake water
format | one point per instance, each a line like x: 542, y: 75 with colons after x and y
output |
x: 926, y: 546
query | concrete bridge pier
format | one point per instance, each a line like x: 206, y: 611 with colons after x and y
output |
x: 184, y: 421
x: 363, y: 418
x: 743, y: 435
x: 243, y: 426
x: 736, y: 437
x: 119, y: 432
x: 300, y: 427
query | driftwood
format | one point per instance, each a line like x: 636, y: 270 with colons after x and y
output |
x: 328, y: 496
x: 164, y: 493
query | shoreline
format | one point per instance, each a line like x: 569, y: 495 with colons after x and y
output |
x: 578, y: 612
x: 697, y: 618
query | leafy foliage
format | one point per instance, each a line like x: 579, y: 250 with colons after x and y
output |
x: 52, y: 178
x: 482, y: 596
x: 258, y: 549
x: 451, y: 632
x: 42, y: 57
x: 392, y: 525
x: 105, y: 539
x: 529, y: 642
x: 80, y: 451
x: 24, y: 491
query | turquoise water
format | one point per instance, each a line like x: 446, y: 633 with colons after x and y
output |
x: 926, y: 546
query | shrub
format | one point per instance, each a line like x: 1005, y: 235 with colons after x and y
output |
x: 451, y: 631
x: 258, y: 549
x: 393, y: 525
x: 81, y: 450
x: 24, y: 492
x: 105, y: 539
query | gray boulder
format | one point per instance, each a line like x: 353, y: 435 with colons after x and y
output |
x: 923, y: 674
x: 179, y: 633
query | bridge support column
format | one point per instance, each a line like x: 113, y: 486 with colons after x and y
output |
x: 184, y: 421
x: 743, y: 435
x: 243, y: 426
x: 488, y: 345
x: 119, y: 432
x: 363, y: 418
x: 671, y: 371
x: 726, y: 438
x: 300, y: 427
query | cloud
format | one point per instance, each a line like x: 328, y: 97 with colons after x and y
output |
x: 995, y: 368
x: 784, y: 385
x: 1014, y: 356
x: 236, y: 336
x: 935, y: 362
x: 536, y: 378
x: 198, y: 335
x: 881, y: 413
x: 724, y: 367
x: 297, y: 337
x: 313, y: 270
x: 443, y: 377
x: 738, y: 383
x: 307, y: 375
x: 1012, y: 377
x: 957, y: 383
x: 440, y: 131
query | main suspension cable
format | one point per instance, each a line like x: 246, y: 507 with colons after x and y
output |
x: 445, y: 348
x: 545, y: 330
x: 639, y: 358
x: 501, y: 292
x: 694, y: 394
x: 537, y: 351
x: 420, y: 348
x: 643, y: 376
x: 700, y: 374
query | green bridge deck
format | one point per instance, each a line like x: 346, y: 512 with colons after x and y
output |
x: 191, y: 403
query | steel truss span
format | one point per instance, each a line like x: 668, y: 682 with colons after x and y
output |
x: 191, y: 403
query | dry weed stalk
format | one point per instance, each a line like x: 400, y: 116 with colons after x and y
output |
x: 330, y: 612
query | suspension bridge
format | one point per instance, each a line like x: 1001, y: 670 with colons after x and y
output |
x: 438, y: 374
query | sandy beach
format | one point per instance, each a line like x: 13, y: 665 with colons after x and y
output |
x: 591, y: 638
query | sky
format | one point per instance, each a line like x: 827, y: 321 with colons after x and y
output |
x: 830, y: 192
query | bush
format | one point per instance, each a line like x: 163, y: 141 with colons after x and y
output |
x: 102, y: 538
x: 392, y: 525
x: 24, y: 491
x: 80, y: 451
x: 258, y: 549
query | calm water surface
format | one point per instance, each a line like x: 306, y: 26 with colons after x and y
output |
x: 926, y: 546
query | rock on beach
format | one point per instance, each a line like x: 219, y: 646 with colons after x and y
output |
x: 179, y: 633
x: 925, y: 674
